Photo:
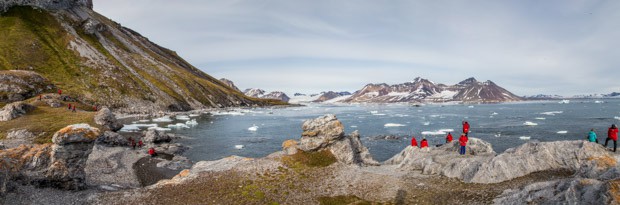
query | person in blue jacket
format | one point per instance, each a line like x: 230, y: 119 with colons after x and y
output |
x: 592, y: 136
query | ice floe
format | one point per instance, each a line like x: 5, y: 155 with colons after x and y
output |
x: 617, y: 118
x: 182, y: 117
x: 393, y: 125
x: 159, y: 128
x: 541, y: 118
x: 177, y: 126
x: 135, y: 127
x: 239, y: 146
x: 562, y: 132
x: 525, y: 137
x: 253, y: 128
x: 427, y: 123
x: 528, y: 123
x: 163, y: 119
x: 191, y: 122
x: 551, y: 113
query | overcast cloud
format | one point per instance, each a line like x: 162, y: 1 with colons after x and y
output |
x: 528, y: 47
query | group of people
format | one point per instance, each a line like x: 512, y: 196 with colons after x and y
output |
x: 462, y: 140
x: 612, y: 134
x: 71, y: 107
x: 140, y: 144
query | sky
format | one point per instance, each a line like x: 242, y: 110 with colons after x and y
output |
x: 529, y: 47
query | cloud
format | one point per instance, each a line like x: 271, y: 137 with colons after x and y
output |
x: 528, y: 47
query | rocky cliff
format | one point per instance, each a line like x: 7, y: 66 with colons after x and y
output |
x: 423, y: 90
x: 100, y: 62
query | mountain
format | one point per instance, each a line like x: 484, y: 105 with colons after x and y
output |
x: 330, y: 95
x: 258, y: 93
x: 100, y: 62
x: 229, y: 83
x: 613, y: 95
x: 423, y: 90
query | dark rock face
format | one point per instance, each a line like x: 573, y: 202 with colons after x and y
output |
x: 156, y: 137
x: 106, y: 118
x: 15, y: 110
x: 423, y: 90
x: 112, y: 139
x: 18, y: 85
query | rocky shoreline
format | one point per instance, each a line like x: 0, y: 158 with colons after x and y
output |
x: 85, y: 165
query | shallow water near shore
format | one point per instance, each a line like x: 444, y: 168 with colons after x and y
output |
x: 262, y: 131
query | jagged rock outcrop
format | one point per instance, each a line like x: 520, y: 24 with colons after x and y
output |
x: 112, y: 139
x: 155, y: 137
x: 18, y: 85
x: 327, y: 132
x: 106, y: 118
x: 567, y: 191
x: 15, y: 110
x: 482, y: 166
x: 60, y: 164
x: 230, y: 83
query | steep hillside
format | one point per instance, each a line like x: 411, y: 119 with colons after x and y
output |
x: 99, y: 62
x: 423, y: 90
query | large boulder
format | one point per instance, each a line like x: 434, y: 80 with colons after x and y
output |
x: 327, y: 132
x: 18, y: 137
x: 106, y: 118
x: 70, y: 150
x: 155, y: 137
x: 320, y: 132
x: 18, y: 85
x: 15, y: 110
x: 112, y: 166
x: 112, y: 139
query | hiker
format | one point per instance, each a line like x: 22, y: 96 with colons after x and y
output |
x: 140, y: 143
x: 463, y: 141
x: 59, y: 92
x: 414, y: 143
x: 73, y: 110
x: 612, y: 134
x: 466, y: 128
x: 152, y: 152
x: 133, y: 144
x: 592, y: 136
x: 423, y: 143
x: 40, y: 97
x: 69, y: 106
x: 95, y: 108
x: 449, y: 138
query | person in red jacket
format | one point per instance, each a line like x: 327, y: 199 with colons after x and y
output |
x: 414, y: 143
x: 152, y: 152
x: 463, y: 141
x: 423, y: 143
x: 449, y: 138
x: 69, y: 107
x: 140, y: 143
x: 612, y: 134
x: 59, y: 92
x: 466, y: 128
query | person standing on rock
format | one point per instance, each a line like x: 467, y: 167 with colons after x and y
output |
x: 424, y: 143
x: 152, y: 152
x: 466, y: 128
x: 73, y: 110
x: 449, y: 138
x: 140, y: 144
x: 612, y: 134
x: 414, y: 143
x: 592, y: 136
x: 463, y: 141
x: 40, y: 97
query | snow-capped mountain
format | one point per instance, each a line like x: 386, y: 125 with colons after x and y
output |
x: 331, y: 95
x: 423, y: 90
x: 613, y: 95
x: 259, y: 93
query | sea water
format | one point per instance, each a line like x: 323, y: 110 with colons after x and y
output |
x: 218, y: 135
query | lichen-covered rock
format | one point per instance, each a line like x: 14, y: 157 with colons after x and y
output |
x: 320, y: 132
x: 112, y: 139
x: 106, y: 118
x: 78, y: 133
x: 18, y: 85
x: 289, y: 147
x: 155, y: 137
x: 350, y: 150
x: 15, y: 110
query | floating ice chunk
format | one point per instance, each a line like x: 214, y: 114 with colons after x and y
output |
x: 182, y: 117
x: 617, y: 118
x: 433, y: 133
x: 353, y: 126
x: 253, y: 128
x: 525, y: 138
x: 163, y: 119
x: 378, y: 114
x: 528, y: 123
x: 393, y: 125
x: 471, y: 106
x: 541, y: 118
x: 233, y: 113
x: 446, y: 130
x: 564, y: 101
x: 194, y: 115
x: 374, y: 112
x: 135, y: 127
x: 192, y: 122
x: 494, y: 113
x: 159, y: 128
x: 177, y: 126
x: 562, y: 132
x: 141, y: 121
x: 427, y: 123
x: 599, y: 102
x: 551, y: 113
x: 239, y: 146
